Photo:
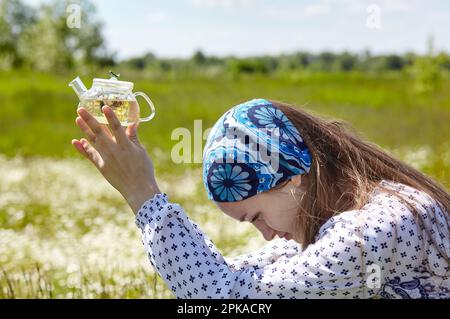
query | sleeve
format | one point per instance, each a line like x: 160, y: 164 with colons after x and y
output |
x: 264, y: 256
x: 192, y: 267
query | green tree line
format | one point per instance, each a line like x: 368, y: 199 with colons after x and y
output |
x: 299, y: 61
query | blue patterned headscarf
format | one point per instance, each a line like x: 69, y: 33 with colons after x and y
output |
x: 252, y: 148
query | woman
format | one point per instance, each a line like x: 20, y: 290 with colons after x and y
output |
x: 354, y: 222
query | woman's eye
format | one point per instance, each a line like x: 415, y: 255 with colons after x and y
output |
x: 257, y: 217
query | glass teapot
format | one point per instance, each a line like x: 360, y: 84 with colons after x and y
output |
x: 116, y: 94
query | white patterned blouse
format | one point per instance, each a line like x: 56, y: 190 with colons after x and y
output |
x: 381, y: 250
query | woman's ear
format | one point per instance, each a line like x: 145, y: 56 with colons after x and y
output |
x: 296, y: 180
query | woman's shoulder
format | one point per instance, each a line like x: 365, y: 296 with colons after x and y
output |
x: 406, y: 197
x: 388, y: 210
x: 406, y: 191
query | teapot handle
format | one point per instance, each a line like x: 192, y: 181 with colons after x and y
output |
x: 150, y: 103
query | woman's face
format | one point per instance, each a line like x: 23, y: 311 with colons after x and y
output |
x: 273, y: 212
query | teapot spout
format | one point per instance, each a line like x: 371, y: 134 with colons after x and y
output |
x: 78, y: 86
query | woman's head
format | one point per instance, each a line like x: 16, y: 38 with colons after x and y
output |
x: 253, y: 163
x: 337, y: 171
x: 251, y: 149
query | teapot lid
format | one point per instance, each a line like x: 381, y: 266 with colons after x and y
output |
x: 114, y: 82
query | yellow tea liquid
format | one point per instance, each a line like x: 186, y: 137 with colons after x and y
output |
x: 127, y: 111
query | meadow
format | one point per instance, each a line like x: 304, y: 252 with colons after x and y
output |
x: 66, y: 233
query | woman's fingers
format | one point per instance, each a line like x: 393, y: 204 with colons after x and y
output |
x: 106, y: 130
x: 114, y: 124
x: 86, y: 149
x: 92, y: 154
x: 131, y: 132
x: 79, y: 147
x: 91, y: 122
x: 85, y: 128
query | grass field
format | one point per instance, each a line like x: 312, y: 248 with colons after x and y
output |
x: 66, y: 233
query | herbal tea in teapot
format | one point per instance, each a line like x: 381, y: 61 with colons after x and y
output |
x: 127, y: 111
x: 116, y: 94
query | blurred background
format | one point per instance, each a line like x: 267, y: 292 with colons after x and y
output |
x: 382, y: 66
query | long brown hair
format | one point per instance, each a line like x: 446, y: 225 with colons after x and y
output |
x: 344, y: 171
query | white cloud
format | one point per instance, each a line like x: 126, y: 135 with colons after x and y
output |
x: 157, y: 17
x: 223, y: 3
x: 317, y: 9
x: 387, y: 6
x: 398, y: 5
x: 294, y: 13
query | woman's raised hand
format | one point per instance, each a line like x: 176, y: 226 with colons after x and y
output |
x: 119, y: 156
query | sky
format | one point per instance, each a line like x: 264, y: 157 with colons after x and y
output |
x: 178, y: 28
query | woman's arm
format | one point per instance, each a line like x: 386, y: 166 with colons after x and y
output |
x: 265, y: 256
